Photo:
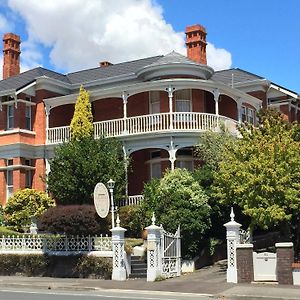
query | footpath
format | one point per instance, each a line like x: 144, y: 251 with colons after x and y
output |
x: 207, y: 282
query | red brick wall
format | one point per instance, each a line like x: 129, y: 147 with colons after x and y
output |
x: 164, y: 102
x: 2, y: 183
x: 138, y: 105
x: 244, y: 261
x: 198, y: 101
x: 285, y: 258
x: 260, y: 95
x: 210, y: 103
x: 38, y: 181
x: 228, y: 107
x: 107, y: 109
x: 285, y: 110
x: 138, y: 172
x: 61, y: 115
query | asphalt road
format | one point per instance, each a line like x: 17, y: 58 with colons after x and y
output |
x: 27, y: 294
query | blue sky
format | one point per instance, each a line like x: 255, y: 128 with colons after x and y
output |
x: 258, y: 36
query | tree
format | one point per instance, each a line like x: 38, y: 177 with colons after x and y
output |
x: 260, y: 172
x: 82, y: 121
x: 178, y: 199
x: 79, y: 165
x: 24, y: 205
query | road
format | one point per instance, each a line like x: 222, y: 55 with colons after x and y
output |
x: 34, y: 294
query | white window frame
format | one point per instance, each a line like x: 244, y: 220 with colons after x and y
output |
x: 9, y: 180
x: 10, y: 117
x: 180, y: 100
x: 153, y: 165
x: 28, y: 117
x: 248, y: 114
x: 154, y: 102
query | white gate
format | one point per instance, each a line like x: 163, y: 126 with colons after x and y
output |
x: 264, y: 265
x: 170, y: 253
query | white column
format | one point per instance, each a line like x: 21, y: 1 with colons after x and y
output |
x: 216, y: 94
x: 126, y: 169
x: 125, y: 100
x: 172, y: 154
x: 170, y: 95
x: 119, y: 271
x: 154, y: 267
x: 239, y: 109
x: 233, y: 238
x: 47, y: 111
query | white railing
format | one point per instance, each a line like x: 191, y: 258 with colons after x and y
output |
x: 51, y: 244
x: 131, y: 200
x: 179, y: 121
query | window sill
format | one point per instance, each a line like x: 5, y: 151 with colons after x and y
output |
x: 16, y: 131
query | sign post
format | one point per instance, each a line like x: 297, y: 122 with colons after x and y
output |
x: 101, y: 200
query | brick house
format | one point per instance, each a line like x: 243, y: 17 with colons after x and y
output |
x: 157, y: 106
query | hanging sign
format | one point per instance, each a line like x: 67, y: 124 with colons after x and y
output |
x: 101, y: 200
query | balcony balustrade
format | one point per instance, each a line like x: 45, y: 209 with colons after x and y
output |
x: 147, y: 124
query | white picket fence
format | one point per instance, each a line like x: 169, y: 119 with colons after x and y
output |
x: 54, y: 244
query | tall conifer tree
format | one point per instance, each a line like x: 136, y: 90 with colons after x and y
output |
x: 82, y: 121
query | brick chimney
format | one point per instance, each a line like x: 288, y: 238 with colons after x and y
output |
x: 196, y: 43
x: 11, y: 55
x: 104, y: 64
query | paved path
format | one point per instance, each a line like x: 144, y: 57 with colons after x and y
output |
x: 208, y: 282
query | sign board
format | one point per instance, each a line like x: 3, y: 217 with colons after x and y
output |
x: 101, y: 200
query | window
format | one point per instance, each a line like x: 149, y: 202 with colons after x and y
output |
x: 248, y: 114
x: 155, y: 170
x: 10, y: 117
x: 183, y: 101
x: 184, y: 159
x: 28, y: 117
x: 154, y: 102
x: 155, y: 164
x: 9, y: 180
x: 28, y: 174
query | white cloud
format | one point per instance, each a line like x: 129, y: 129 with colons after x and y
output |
x: 81, y: 33
x: 217, y: 58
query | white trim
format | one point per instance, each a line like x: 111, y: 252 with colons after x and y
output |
x: 16, y: 131
x: 284, y: 245
x: 283, y: 90
x: 16, y: 167
x: 25, y: 88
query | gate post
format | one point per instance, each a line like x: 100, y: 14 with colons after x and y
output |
x: 285, y: 259
x: 154, y: 268
x: 119, y: 272
x: 233, y: 238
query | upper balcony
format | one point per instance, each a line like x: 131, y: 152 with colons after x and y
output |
x: 147, y: 125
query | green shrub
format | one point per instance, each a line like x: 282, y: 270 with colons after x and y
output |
x: 96, y: 267
x: 7, y: 231
x: 24, y: 205
x: 1, y: 215
x: 26, y: 264
x: 73, y: 220
x: 178, y: 199
x: 130, y: 219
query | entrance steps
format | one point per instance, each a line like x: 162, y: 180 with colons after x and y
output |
x: 138, y: 267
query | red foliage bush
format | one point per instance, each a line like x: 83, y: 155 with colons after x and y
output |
x: 73, y: 220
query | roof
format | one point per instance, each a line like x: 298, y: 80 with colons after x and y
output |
x: 173, y: 58
x: 239, y: 75
x: 18, y: 81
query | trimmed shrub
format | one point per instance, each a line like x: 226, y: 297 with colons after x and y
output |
x: 73, y: 220
x: 55, y: 266
x: 26, y: 264
x: 24, y: 205
x: 94, y: 267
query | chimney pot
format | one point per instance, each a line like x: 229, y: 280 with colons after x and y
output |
x: 196, y: 43
x: 11, y: 55
x: 104, y: 64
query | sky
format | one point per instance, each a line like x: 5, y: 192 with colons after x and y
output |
x: 259, y: 36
